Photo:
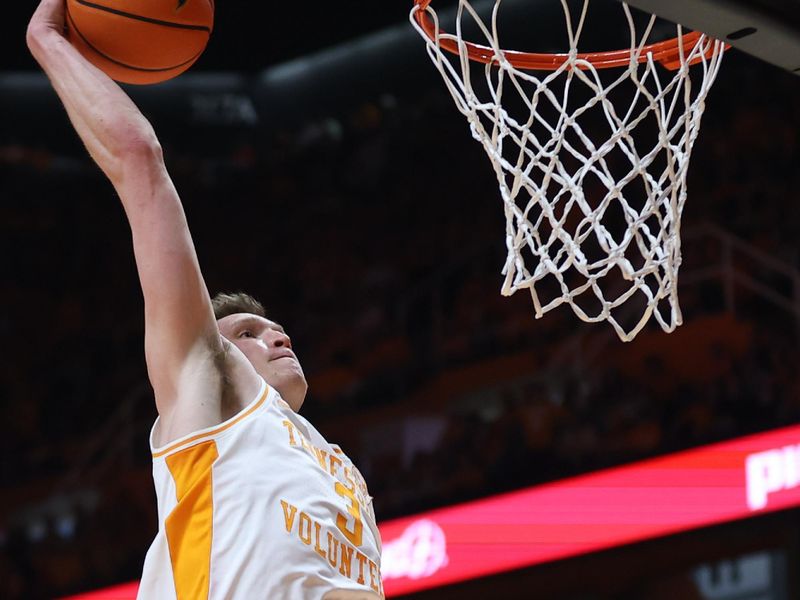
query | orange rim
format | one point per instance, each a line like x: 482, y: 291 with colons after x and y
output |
x: 667, y: 53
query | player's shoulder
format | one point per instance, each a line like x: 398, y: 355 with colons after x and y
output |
x: 211, y: 392
x: 209, y: 420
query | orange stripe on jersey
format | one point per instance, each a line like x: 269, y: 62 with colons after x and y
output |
x: 189, y: 526
x: 216, y: 430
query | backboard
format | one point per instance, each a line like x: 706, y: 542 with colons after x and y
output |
x: 767, y: 29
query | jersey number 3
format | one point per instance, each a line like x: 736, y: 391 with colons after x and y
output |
x: 355, y: 534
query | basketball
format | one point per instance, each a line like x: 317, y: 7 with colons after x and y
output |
x: 140, y: 41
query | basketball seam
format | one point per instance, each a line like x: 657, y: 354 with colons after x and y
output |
x: 122, y: 64
x: 122, y: 13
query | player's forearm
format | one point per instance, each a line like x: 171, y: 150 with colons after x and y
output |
x: 112, y: 128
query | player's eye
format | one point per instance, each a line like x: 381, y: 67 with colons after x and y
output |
x: 246, y: 334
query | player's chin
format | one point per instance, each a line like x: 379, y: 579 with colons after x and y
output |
x: 288, y: 369
x: 288, y: 379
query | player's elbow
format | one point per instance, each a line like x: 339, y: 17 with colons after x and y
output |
x: 140, y: 147
x: 133, y: 155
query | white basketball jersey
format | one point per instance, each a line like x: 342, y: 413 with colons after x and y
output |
x: 260, y: 506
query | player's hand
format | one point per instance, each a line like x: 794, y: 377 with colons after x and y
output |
x: 48, y: 19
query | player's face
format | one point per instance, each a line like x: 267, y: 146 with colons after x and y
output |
x: 269, y: 350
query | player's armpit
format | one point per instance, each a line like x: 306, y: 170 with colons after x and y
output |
x: 351, y: 595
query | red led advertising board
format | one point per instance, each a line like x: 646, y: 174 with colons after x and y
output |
x: 705, y: 486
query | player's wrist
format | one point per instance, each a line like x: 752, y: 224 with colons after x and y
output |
x: 43, y: 39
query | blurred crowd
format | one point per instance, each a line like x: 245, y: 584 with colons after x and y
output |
x: 376, y: 238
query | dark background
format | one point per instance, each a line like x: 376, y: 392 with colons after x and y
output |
x: 248, y: 36
x: 355, y: 204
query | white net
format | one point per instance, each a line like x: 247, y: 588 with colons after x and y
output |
x: 591, y: 164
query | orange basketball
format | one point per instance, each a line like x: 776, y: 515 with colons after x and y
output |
x: 140, y: 41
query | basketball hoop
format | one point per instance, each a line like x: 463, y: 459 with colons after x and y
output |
x: 594, y: 215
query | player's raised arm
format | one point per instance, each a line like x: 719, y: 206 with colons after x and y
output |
x: 181, y: 332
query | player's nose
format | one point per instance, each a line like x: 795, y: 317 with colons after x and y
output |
x: 278, y: 339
